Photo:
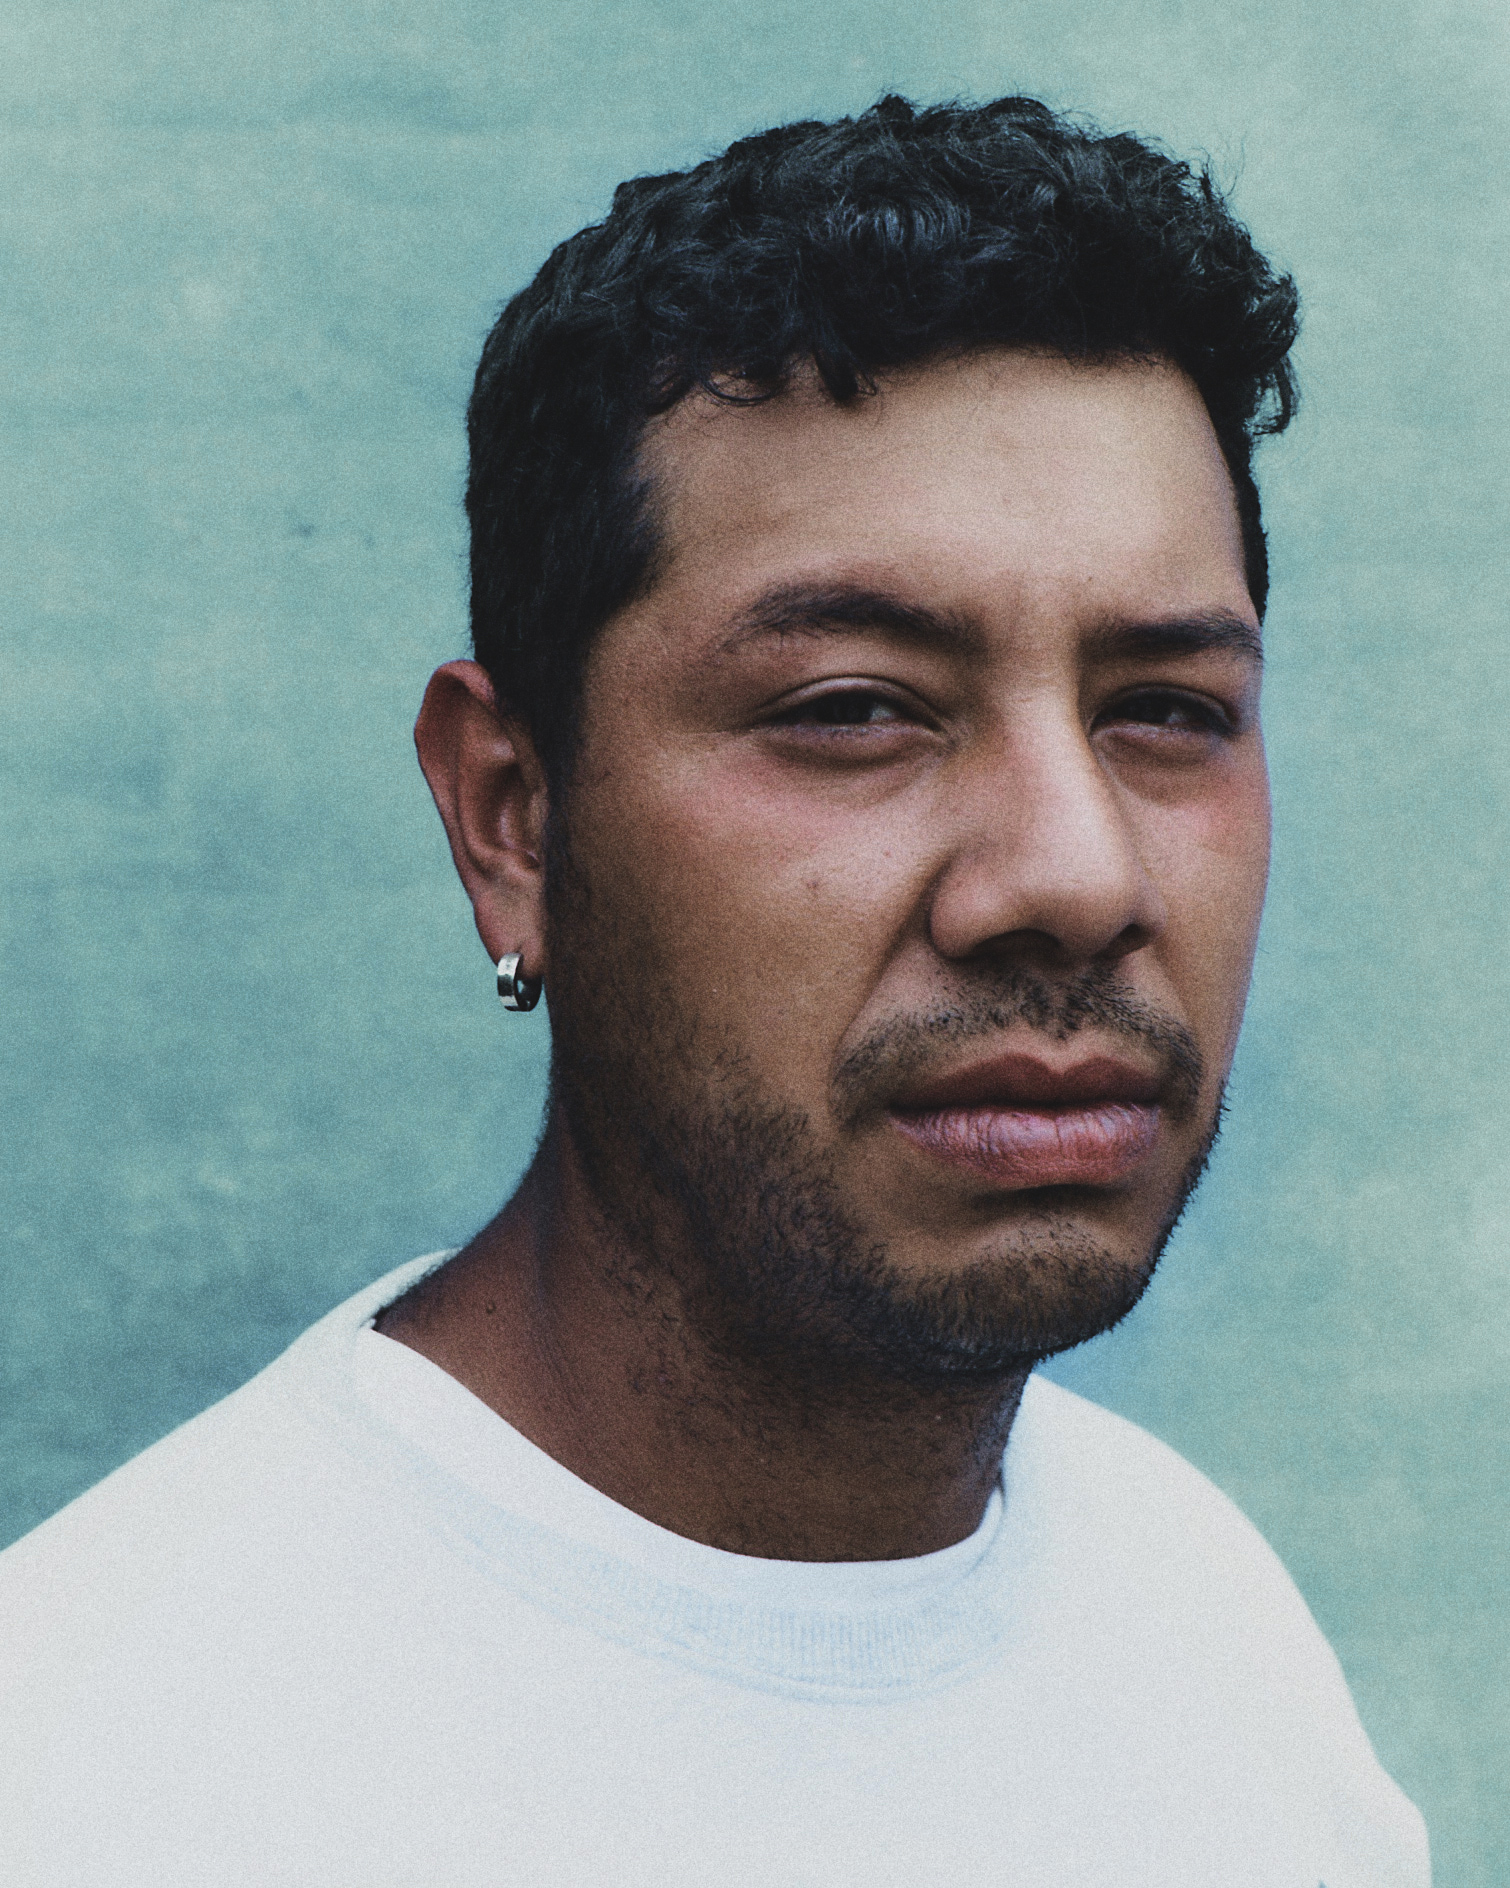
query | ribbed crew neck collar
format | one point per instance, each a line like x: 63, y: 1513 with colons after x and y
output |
x: 861, y: 1628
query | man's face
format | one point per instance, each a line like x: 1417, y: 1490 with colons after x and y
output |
x: 908, y: 878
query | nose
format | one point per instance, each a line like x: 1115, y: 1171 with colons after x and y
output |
x: 1044, y: 857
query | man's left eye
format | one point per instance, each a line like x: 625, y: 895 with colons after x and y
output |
x: 1168, y: 708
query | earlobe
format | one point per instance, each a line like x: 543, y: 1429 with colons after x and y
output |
x: 489, y: 788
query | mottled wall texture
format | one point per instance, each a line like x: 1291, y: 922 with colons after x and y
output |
x: 248, y: 253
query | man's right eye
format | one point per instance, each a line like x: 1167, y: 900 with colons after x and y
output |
x: 841, y: 708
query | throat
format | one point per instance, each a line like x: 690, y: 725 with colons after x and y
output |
x: 599, y: 1360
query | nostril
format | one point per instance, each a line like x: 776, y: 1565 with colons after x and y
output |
x: 1132, y: 937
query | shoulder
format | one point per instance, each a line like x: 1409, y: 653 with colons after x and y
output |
x: 1132, y: 1526
x: 264, y: 1465
x: 1159, y: 1594
x: 1107, y: 1472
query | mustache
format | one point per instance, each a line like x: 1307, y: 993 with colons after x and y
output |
x: 978, y: 1008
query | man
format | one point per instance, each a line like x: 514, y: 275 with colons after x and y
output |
x: 863, y: 751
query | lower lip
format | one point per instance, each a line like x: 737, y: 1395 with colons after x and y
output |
x: 1038, y: 1147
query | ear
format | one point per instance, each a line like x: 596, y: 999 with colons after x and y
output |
x: 489, y: 786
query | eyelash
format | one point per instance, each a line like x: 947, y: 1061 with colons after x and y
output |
x: 1158, y: 706
x: 809, y: 712
x: 1207, y: 715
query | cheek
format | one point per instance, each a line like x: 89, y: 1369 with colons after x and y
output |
x: 1210, y: 857
x: 774, y: 910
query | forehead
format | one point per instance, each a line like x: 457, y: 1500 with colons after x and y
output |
x: 1007, y: 480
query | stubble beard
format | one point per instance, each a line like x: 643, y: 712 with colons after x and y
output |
x: 706, y: 1183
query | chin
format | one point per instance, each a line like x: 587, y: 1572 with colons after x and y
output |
x: 1032, y: 1297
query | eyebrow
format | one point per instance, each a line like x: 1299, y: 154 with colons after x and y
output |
x: 1192, y: 633
x: 805, y: 610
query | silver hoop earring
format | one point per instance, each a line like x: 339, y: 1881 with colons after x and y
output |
x: 516, y: 992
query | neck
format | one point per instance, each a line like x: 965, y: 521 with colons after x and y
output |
x: 587, y: 1348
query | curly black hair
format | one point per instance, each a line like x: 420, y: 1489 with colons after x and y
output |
x: 856, y: 247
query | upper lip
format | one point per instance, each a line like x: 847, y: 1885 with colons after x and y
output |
x: 1027, y: 1081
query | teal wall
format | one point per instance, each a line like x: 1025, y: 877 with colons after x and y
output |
x: 247, y: 256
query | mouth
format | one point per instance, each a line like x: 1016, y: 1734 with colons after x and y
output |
x: 1019, y: 1123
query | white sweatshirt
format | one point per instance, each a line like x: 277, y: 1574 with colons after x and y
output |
x: 349, y: 1629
